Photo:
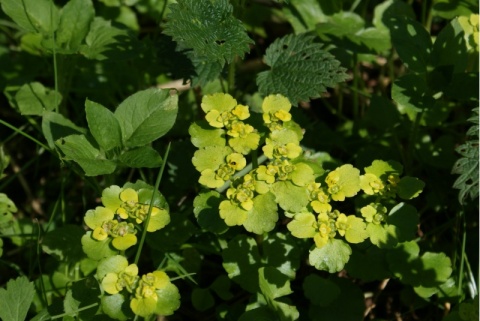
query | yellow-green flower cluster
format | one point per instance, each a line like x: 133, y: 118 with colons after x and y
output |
x: 118, y: 277
x: 326, y: 225
x: 223, y: 111
x: 116, y: 221
x: 217, y: 173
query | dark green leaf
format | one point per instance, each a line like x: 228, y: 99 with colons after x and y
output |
x: 242, y: 261
x: 411, y: 94
x: 103, y: 125
x: 83, y: 293
x: 209, y: 28
x: 320, y: 291
x: 300, y: 69
x: 80, y: 150
x: 449, y: 9
x: 303, y: 15
x: 282, y: 252
x: 35, y: 99
x: 412, y: 42
x: 450, y: 43
x: 274, y: 284
x: 144, y: 156
x: 40, y: 16
x: 405, y: 218
x: 73, y: 26
x: 146, y: 116
x: 64, y: 243
x: 409, y: 187
x: 15, y: 299
x: 205, y: 208
x: 368, y: 265
x: 202, y: 299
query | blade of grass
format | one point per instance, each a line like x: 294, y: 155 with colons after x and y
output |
x: 157, y: 184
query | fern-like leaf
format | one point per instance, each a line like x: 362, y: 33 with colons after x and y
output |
x: 300, y: 69
x: 209, y: 29
x: 467, y: 166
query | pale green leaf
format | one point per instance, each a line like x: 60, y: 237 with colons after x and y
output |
x: 34, y: 99
x: 209, y: 29
x: 203, y: 135
x: 332, y: 257
x: 97, y: 250
x: 232, y: 213
x: 103, y: 125
x: 210, y: 157
x: 302, y: 175
x: 39, y: 16
x: 303, y: 15
x: 290, y: 197
x: 300, y: 69
x: 116, y: 307
x: 263, y: 216
x: 15, y: 299
x: 303, y: 225
x: 146, y: 116
x: 168, y: 300
x: 73, y: 27
x: 382, y: 235
x: 382, y: 169
x: 80, y: 150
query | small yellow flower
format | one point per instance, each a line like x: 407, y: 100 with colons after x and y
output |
x: 371, y: 184
x: 343, y: 182
x: 130, y: 197
x: 145, y: 301
x: 241, y: 112
x: 236, y: 161
x: 283, y: 115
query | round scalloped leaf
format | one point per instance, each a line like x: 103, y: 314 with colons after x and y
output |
x: 95, y: 218
x: 382, y: 235
x: 210, y: 157
x: 320, y: 291
x: 405, y: 218
x: 346, y: 179
x: 232, y: 213
x: 115, y: 306
x: 168, y: 300
x: 369, y: 265
x: 356, y: 232
x: 202, y: 135
x: 97, y: 250
x: 124, y: 242
x: 263, y: 216
x: 274, y: 103
x: 382, y: 169
x: 111, y: 197
x: 302, y: 175
x: 205, y: 208
x: 245, y: 145
x: 438, y: 262
x: 290, y: 197
x: 303, y: 225
x: 447, y: 289
x: 284, y: 136
x: 158, y: 221
x: 145, y: 197
x: 409, y: 187
x: 218, y: 101
x: 332, y: 257
x: 113, y: 264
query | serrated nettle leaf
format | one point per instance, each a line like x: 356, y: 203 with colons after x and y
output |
x: 209, y: 28
x: 332, y: 257
x: 144, y: 156
x: 263, y: 216
x: 90, y: 159
x: 203, y: 135
x: 412, y: 42
x: 300, y: 69
x: 241, y: 260
x: 146, y: 116
x: 56, y: 126
x: 73, y: 27
x: 15, y: 299
x: 35, y: 99
x: 39, y: 16
x: 103, y: 125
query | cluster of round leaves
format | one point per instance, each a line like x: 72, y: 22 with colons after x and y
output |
x: 113, y: 230
x: 288, y: 179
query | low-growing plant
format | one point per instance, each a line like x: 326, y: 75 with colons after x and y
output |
x: 239, y: 160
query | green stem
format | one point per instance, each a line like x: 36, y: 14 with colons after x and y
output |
x: 355, y: 85
x: 462, y: 258
x: 58, y: 316
x: 24, y: 134
x: 231, y: 77
x: 243, y: 172
x: 55, y: 72
x: 147, y: 221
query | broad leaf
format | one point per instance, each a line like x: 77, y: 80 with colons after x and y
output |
x: 320, y: 291
x: 15, y: 299
x: 411, y: 94
x: 82, y: 294
x: 64, y: 243
x: 74, y: 27
x: 56, y: 126
x: 39, y: 16
x: 405, y: 218
x: 35, y: 99
x: 409, y: 187
x: 300, y: 69
x: 303, y: 15
x: 97, y: 250
x: 80, y: 150
x: 205, y: 208
x: 273, y: 284
x: 332, y: 257
x: 144, y: 156
x: 290, y: 197
x: 168, y: 300
x: 368, y: 265
x: 282, y: 251
x: 146, y: 116
x: 203, y: 135
x: 103, y: 125
x: 209, y: 28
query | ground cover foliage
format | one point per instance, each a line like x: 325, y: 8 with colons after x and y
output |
x: 239, y: 160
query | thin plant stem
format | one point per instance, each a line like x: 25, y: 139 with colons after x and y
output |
x: 21, y: 132
x: 243, y: 172
x: 55, y: 71
x: 147, y: 221
x: 231, y: 77
x: 462, y: 254
x: 58, y: 316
